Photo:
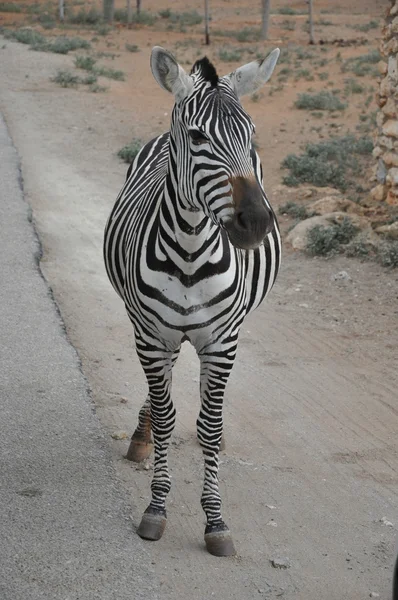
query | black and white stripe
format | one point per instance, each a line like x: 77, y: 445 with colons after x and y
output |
x: 169, y: 256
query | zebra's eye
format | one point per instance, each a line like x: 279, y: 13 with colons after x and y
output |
x: 198, y: 137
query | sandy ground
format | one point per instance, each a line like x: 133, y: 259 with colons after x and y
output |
x: 311, y: 417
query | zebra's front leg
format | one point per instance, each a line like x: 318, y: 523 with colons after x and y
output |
x: 157, y: 366
x: 141, y: 444
x: 213, y: 379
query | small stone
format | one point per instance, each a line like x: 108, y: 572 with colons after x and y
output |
x: 377, y: 151
x: 280, y: 563
x: 378, y: 193
x: 374, y: 595
x: 392, y: 197
x: 382, y: 67
x: 341, y: 276
x: 272, y: 523
x: 119, y: 435
x: 390, y: 109
x: 391, y: 159
x: 390, y: 127
x: 392, y: 176
x: 384, y: 521
x: 390, y: 231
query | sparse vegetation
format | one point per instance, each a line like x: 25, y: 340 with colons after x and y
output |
x: 25, y: 36
x: 85, y: 17
x: 183, y: 19
x: 129, y: 152
x: 61, y: 45
x: 388, y: 254
x: 353, y: 87
x: 362, y: 65
x: 328, y: 163
x: 325, y: 241
x: 109, y: 73
x: 366, y: 27
x: 132, y: 48
x: 10, y: 7
x: 229, y: 54
x: 297, y: 211
x: 65, y: 79
x: 85, y: 62
x: 321, y: 101
x: 248, y: 34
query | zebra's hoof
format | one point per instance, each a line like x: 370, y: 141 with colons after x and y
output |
x: 218, y: 540
x: 139, y: 451
x: 153, y: 524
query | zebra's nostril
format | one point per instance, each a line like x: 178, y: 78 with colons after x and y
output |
x: 241, y: 219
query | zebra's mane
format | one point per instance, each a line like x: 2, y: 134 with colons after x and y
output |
x: 207, y: 70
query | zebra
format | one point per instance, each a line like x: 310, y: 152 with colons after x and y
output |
x: 192, y: 246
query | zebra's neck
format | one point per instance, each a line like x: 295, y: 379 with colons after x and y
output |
x: 186, y: 223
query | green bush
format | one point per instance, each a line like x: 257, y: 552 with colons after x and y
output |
x: 327, y: 163
x: 85, y: 17
x: 362, y: 65
x: 229, y: 55
x: 61, y: 45
x: 85, y: 62
x: 132, y: 48
x: 10, y: 7
x: 183, y: 19
x: 366, y: 27
x: 321, y: 101
x: 324, y: 241
x: 142, y: 18
x: 294, y: 210
x: 248, y: 34
x: 66, y: 79
x: 129, y: 152
x: 25, y: 36
x: 388, y: 254
x: 109, y: 73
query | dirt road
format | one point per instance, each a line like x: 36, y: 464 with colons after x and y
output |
x: 311, y: 418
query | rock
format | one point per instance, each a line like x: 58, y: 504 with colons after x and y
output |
x: 297, y: 237
x: 377, y: 151
x: 390, y: 231
x: 380, y: 118
x: 280, y: 563
x: 392, y: 61
x: 384, y: 521
x: 384, y: 90
x: 119, y: 435
x: 379, y: 192
x: 392, y: 197
x: 392, y: 176
x: 341, y: 276
x: 331, y: 204
x: 374, y: 595
x: 386, y: 142
x: 390, y: 109
x: 391, y: 159
x: 390, y: 127
x: 382, y: 67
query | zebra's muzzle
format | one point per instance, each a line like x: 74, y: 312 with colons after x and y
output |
x: 252, y: 219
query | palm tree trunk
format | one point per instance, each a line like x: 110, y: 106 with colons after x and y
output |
x: 265, y: 10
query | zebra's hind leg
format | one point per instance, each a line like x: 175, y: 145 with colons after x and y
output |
x: 141, y: 444
x: 213, y: 379
x: 157, y: 365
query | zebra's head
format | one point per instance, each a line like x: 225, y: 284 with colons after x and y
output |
x: 211, y: 143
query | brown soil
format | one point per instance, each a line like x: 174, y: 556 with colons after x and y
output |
x: 311, y: 465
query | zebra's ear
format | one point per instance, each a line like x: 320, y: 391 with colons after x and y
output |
x: 250, y: 77
x: 169, y: 74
